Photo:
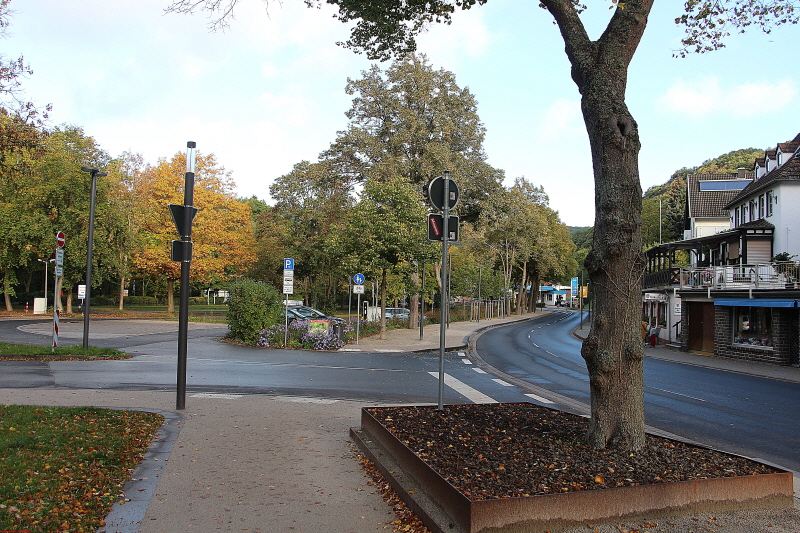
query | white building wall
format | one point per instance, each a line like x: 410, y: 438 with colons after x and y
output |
x: 710, y: 226
x: 786, y: 218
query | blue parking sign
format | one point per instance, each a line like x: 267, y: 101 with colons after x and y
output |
x: 288, y: 264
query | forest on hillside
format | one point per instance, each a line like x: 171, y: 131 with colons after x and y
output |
x: 663, y: 206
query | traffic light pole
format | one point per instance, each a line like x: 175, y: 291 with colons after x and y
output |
x: 183, y: 306
x: 443, y: 301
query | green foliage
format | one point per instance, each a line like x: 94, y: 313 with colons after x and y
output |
x: 709, y: 22
x: 253, y: 306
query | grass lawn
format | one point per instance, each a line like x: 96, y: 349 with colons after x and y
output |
x: 26, y: 351
x: 62, y: 469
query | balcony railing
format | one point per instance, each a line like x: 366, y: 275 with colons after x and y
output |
x: 780, y: 275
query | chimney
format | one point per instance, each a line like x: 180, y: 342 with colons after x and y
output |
x: 740, y: 173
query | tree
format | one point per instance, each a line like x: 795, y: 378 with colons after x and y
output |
x: 613, y: 350
x: 221, y: 233
x: 416, y: 122
x: 385, y: 230
x: 312, y: 200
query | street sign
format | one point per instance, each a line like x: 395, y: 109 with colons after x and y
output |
x: 358, y: 289
x: 177, y: 212
x: 81, y: 292
x: 358, y: 279
x: 59, y: 257
x: 288, y: 263
x: 61, y: 240
x: 288, y: 288
x: 59, y: 271
x: 436, y: 193
x: 436, y: 227
x: 182, y: 251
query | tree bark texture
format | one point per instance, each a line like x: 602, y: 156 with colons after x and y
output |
x: 613, y: 351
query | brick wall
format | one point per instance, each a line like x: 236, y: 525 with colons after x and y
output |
x: 781, y: 337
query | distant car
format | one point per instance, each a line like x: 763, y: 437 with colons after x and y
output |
x: 398, y: 312
x: 303, y: 312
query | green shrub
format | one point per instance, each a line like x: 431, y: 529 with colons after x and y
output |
x: 253, y: 306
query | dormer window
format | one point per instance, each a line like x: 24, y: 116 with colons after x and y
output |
x: 723, y: 185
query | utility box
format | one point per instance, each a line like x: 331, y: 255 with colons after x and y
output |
x: 40, y: 306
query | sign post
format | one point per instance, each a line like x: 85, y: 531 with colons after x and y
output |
x: 288, y: 288
x: 183, y: 215
x: 358, y: 288
x: 443, y: 193
x: 61, y: 240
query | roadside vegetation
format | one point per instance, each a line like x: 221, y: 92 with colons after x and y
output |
x: 64, y: 468
x: 45, y: 353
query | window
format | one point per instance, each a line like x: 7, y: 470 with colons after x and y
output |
x: 752, y: 211
x: 736, y: 217
x: 744, y: 213
x: 770, y: 202
x: 761, y: 212
x: 723, y: 185
x: 752, y: 326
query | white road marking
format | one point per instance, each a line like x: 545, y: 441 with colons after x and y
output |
x: 503, y: 383
x: 216, y: 395
x: 466, y: 361
x: 677, y: 394
x: 538, y: 398
x: 479, y: 370
x: 462, y: 354
x: 463, y: 389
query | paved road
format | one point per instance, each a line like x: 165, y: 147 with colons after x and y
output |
x: 746, y: 414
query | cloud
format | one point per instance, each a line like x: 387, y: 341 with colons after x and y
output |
x: 561, y: 122
x: 708, y: 97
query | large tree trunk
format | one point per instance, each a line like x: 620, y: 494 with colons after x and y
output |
x: 413, y: 302
x: 522, y: 286
x: 383, y: 305
x: 121, y: 293
x: 170, y: 296
x: 613, y: 350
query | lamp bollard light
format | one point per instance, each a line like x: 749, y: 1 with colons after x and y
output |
x: 95, y: 174
x: 185, y: 231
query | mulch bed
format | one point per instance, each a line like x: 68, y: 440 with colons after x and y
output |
x: 493, y: 451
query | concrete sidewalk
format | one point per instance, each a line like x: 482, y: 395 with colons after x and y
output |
x: 285, y: 464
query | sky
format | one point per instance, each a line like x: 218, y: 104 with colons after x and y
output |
x: 268, y: 92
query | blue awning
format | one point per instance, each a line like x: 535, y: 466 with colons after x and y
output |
x: 559, y: 292
x: 757, y: 302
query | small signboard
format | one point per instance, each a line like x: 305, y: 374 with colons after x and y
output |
x: 81, y: 292
x: 358, y: 289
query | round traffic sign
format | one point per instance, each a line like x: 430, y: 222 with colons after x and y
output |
x: 436, y: 192
x: 61, y: 240
x: 358, y: 279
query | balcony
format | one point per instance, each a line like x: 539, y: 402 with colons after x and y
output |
x: 781, y: 275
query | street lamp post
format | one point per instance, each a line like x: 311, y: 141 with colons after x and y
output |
x: 186, y: 215
x: 45, y: 261
x: 95, y: 174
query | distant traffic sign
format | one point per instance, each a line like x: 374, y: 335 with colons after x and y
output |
x: 358, y: 279
x: 436, y: 192
x: 61, y: 240
x: 288, y: 263
x: 436, y: 227
x: 358, y: 289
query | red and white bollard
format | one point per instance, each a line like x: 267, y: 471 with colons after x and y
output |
x: 26, y: 308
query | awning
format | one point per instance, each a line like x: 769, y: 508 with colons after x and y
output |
x: 559, y: 292
x: 757, y: 302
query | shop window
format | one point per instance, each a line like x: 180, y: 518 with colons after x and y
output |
x: 753, y: 326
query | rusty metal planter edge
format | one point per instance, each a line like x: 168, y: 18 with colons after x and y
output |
x: 443, y: 508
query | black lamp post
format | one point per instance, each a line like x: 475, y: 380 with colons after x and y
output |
x: 182, y: 251
x: 95, y: 174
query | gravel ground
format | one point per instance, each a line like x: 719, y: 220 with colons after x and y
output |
x: 506, y: 450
